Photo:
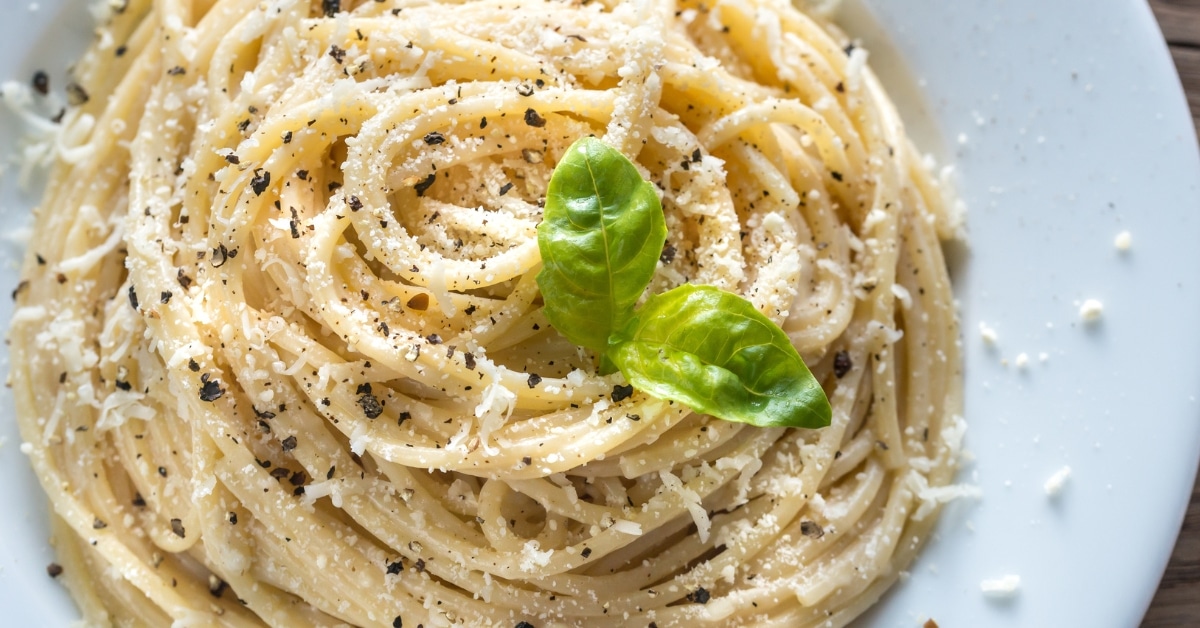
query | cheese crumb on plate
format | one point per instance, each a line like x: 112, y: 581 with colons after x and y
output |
x: 1054, y: 484
x: 1003, y: 587
x: 1091, y: 310
x: 989, y: 335
x: 1123, y: 241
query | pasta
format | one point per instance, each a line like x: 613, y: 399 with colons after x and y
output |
x: 279, y: 356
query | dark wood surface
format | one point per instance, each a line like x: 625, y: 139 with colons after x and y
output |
x: 1177, y: 602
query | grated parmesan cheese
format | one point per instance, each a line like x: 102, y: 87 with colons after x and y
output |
x: 532, y: 558
x: 933, y: 496
x: 902, y: 294
x: 1054, y: 484
x: 1123, y: 241
x: 625, y: 526
x: 691, y: 501
x: 1003, y: 587
x: 989, y: 335
x: 854, y: 68
x: 1091, y: 310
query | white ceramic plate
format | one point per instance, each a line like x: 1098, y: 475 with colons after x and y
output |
x: 1067, y: 125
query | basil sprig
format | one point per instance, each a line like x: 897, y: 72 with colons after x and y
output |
x: 600, y: 239
x: 600, y: 236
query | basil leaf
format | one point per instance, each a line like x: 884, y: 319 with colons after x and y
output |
x: 600, y: 238
x: 715, y: 352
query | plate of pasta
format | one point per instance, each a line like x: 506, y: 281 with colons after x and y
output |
x: 630, y: 313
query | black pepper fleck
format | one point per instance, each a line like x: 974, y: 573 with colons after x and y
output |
x: 842, y: 364
x: 219, y: 256
x: 133, y: 300
x: 210, y: 389
x: 534, y: 380
x: 668, y: 253
x: 41, y: 82
x: 425, y: 184
x: 177, y: 528
x: 54, y: 570
x: 433, y: 138
x: 184, y: 281
x: 289, y: 443
x: 370, y: 406
x: 331, y: 7
x: 699, y: 596
x: 260, y: 182
x: 76, y: 94
x: 621, y: 393
x: 811, y: 529
x: 534, y: 119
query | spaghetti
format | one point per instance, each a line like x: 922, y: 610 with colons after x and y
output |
x: 279, y: 355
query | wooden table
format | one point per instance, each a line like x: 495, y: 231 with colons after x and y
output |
x: 1177, y: 602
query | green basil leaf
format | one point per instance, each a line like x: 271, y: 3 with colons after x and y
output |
x: 600, y: 238
x: 713, y: 351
